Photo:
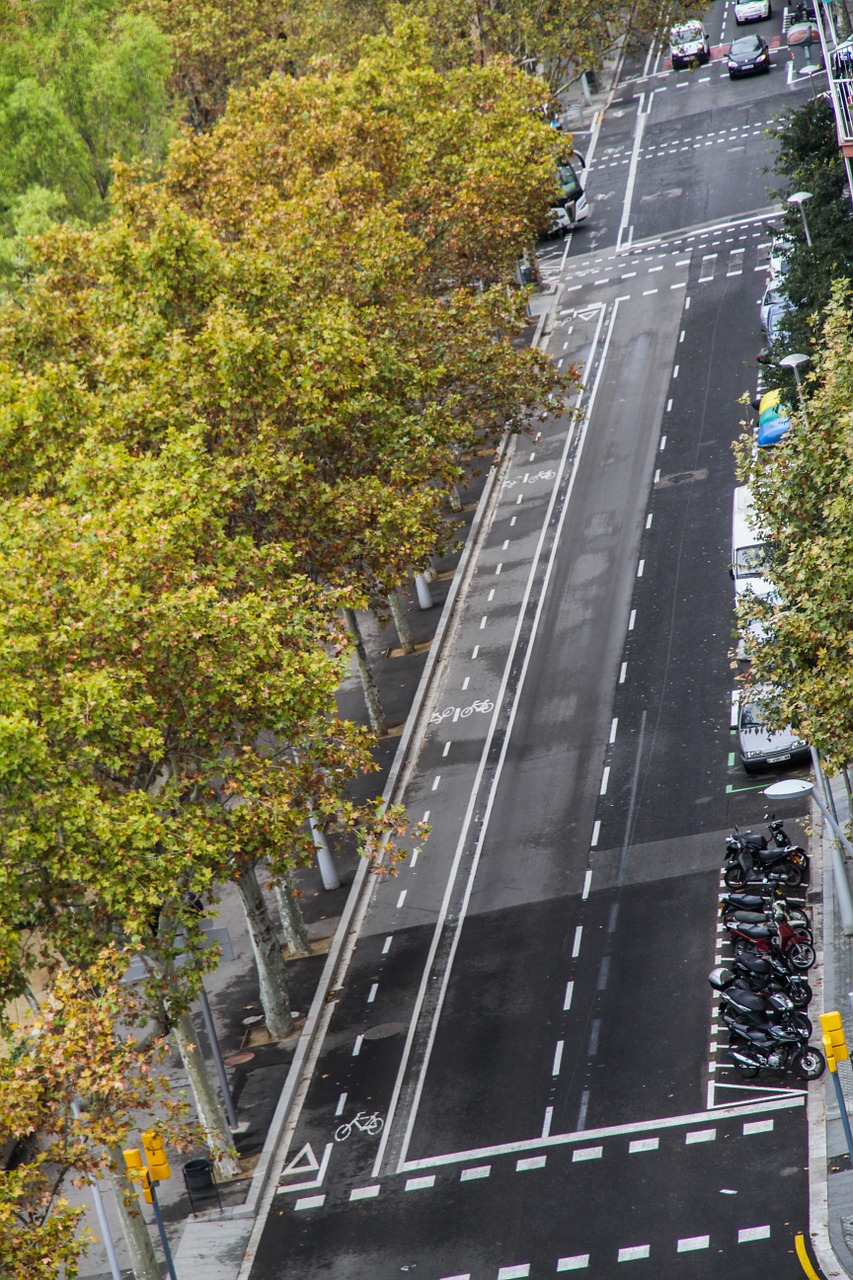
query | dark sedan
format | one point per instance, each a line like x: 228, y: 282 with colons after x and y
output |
x: 747, y: 56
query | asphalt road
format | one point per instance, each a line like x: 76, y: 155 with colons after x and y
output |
x: 522, y: 1074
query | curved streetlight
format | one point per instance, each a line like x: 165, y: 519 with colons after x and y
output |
x: 799, y: 198
x: 795, y: 788
x: 793, y: 363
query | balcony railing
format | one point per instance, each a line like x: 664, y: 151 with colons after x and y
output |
x: 837, y: 48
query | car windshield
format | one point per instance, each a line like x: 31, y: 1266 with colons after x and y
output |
x: 750, y: 561
x: 750, y: 717
x: 747, y: 44
x: 690, y: 31
x: 773, y: 297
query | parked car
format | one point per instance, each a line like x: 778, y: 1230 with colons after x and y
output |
x: 752, y: 11
x: 749, y: 548
x: 780, y: 250
x: 759, y: 746
x: 748, y: 55
x: 689, y: 44
x: 777, y: 313
x: 772, y: 297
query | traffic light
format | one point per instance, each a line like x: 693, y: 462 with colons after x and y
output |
x: 158, y: 1164
x: 834, y: 1044
x: 137, y: 1171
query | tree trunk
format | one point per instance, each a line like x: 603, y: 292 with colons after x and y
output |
x: 210, y: 1110
x: 292, y: 923
x: 272, y: 974
x: 375, y: 712
x: 401, y: 622
x: 143, y: 1261
x: 454, y: 499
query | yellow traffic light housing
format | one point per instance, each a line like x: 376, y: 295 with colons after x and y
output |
x: 158, y: 1163
x: 137, y: 1172
x: 834, y: 1043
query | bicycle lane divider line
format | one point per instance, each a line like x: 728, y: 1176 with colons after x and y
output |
x: 522, y: 644
x: 483, y: 763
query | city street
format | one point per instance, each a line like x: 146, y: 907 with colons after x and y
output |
x: 521, y: 1074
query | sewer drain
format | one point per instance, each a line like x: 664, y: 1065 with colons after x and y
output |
x: 383, y: 1030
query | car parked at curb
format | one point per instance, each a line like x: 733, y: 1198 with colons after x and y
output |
x: 759, y: 746
x: 747, y: 56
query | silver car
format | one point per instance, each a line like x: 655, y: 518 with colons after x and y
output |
x: 761, y: 747
x: 752, y: 11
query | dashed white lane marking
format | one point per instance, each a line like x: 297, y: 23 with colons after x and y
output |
x: 467, y: 679
x: 371, y: 995
x: 753, y: 1233
x: 669, y: 406
x: 576, y: 945
x: 518, y: 500
x: 647, y: 293
x: 436, y: 780
x: 530, y: 1162
x: 447, y: 745
x: 757, y: 1126
x: 643, y: 1144
x: 479, y: 1171
x: 675, y: 370
x: 463, y: 1276
x: 356, y: 1049
x: 605, y: 778
x: 498, y: 568
x: 632, y: 619
x: 633, y: 1253
x: 558, y: 1059
x: 401, y: 899
x: 420, y: 1184
x: 475, y: 652
x: 567, y: 998
x: 587, y: 881
x: 426, y: 815
x: 689, y: 1243
x: 365, y: 1193
x: 490, y: 596
x: 623, y: 671
x: 700, y: 1135
x: 577, y: 1263
x: 613, y: 724
x: 483, y: 622
x: 663, y: 442
x: 641, y: 568
x: 587, y: 1153
x: 342, y: 1102
x: 519, y: 1272
x: 310, y: 1202
x: 387, y: 947
x: 596, y: 831
x: 649, y: 519
x: 595, y: 1032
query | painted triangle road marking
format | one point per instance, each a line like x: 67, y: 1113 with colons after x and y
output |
x: 304, y: 1162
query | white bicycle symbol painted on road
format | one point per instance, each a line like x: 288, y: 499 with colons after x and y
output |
x: 363, y: 1122
x: 530, y: 478
x: 484, y: 705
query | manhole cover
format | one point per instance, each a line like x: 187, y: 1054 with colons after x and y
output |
x: 383, y: 1030
x: 237, y: 1059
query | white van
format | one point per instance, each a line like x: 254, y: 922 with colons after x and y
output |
x: 749, y: 547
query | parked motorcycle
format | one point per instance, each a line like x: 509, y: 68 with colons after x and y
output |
x: 739, y: 1003
x: 748, y: 858
x: 772, y: 915
x: 779, y: 937
x: 765, y: 900
x: 765, y: 973
x: 773, y: 1049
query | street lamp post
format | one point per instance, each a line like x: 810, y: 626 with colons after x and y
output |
x: 793, y: 363
x: 794, y: 788
x: 799, y: 198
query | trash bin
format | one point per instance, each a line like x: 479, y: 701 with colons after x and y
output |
x: 199, y: 1182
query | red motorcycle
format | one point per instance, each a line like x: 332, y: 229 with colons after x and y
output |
x: 778, y: 936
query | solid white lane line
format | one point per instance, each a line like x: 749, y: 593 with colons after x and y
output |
x: 558, y: 1058
x: 567, y: 998
x: 371, y: 995
x: 596, y: 831
x: 342, y: 1102
x: 576, y: 945
x: 472, y: 1175
x: 587, y: 881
